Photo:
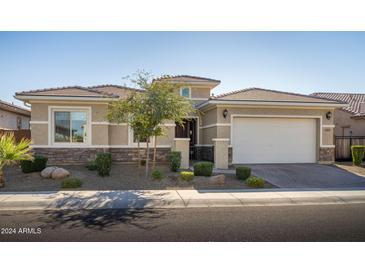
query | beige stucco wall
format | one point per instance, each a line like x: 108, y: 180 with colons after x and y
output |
x: 118, y: 135
x: 40, y: 110
x: 200, y: 92
x: 209, y: 117
x: 168, y: 138
x: 39, y: 134
x: 343, y: 120
x: 100, y: 134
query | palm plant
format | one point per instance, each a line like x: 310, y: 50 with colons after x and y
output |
x: 12, y: 152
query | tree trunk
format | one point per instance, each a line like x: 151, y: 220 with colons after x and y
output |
x: 154, y: 153
x: 148, y: 155
x: 2, y: 178
x: 139, y: 154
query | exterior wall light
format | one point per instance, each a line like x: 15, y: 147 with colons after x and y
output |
x: 225, y: 113
x: 329, y: 115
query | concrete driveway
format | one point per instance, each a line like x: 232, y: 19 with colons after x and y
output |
x: 307, y: 176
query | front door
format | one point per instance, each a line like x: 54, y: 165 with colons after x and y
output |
x: 188, y: 130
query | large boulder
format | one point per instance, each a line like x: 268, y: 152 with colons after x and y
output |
x: 60, y: 173
x: 47, y: 172
x: 217, y: 179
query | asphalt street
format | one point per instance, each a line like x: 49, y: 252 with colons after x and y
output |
x: 345, y: 222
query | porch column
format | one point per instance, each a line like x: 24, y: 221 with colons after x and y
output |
x: 182, y: 145
x: 221, y: 152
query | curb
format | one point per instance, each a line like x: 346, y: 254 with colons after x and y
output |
x: 69, y: 200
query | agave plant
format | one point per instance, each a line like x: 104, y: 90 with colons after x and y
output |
x: 12, y: 152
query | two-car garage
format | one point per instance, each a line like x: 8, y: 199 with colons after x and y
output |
x: 274, y: 140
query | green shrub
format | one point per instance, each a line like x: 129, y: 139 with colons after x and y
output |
x: 39, y: 163
x: 357, y: 154
x: 187, y: 175
x: 26, y: 166
x: 157, y: 175
x: 203, y: 169
x: 71, y: 182
x: 254, y: 181
x: 103, y: 163
x: 91, y: 165
x: 175, y: 160
x: 243, y: 172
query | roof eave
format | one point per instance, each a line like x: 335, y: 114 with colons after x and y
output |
x: 272, y: 103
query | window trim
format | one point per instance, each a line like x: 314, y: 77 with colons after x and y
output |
x: 51, y: 126
x: 181, y: 89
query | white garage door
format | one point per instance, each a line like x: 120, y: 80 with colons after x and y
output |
x: 274, y: 140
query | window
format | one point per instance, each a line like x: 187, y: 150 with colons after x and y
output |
x: 69, y: 126
x: 185, y: 92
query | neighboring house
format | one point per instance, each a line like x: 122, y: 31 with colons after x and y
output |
x: 13, y: 117
x: 349, y: 120
x: 247, y: 126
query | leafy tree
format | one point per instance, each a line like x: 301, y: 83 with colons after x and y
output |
x: 147, y: 111
x: 164, y: 103
x: 132, y: 111
x: 11, y: 152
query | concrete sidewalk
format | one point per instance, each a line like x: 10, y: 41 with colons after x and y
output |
x: 176, y: 198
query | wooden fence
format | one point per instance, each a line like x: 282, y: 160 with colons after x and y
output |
x: 343, y: 146
x: 18, y: 134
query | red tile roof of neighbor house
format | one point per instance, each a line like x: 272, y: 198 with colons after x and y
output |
x: 355, y: 101
x: 13, y: 108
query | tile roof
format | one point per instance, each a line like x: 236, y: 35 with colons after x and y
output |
x: 187, y: 76
x: 275, y: 91
x: 114, y: 86
x: 13, y: 108
x: 354, y: 101
x: 76, y: 91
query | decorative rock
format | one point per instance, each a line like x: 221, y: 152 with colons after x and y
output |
x: 47, y: 172
x: 60, y: 173
x: 217, y: 179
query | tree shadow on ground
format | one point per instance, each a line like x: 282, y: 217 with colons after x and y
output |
x: 103, y: 210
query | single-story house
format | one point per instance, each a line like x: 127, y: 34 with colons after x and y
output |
x: 13, y: 117
x: 251, y: 125
x: 349, y: 120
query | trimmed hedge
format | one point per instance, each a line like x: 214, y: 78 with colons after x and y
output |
x: 157, y: 175
x: 203, y: 169
x: 103, y: 163
x: 254, y: 181
x: 38, y: 164
x: 187, y: 175
x: 71, y: 182
x: 175, y: 160
x: 357, y: 153
x: 243, y: 172
x: 26, y: 166
x: 92, y: 165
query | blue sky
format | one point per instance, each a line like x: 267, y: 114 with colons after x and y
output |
x: 302, y: 62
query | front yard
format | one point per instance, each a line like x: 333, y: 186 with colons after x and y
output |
x: 122, y: 177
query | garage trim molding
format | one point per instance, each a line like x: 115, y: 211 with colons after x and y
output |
x: 283, y: 116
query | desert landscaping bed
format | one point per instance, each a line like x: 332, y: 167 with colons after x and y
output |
x: 348, y: 166
x: 122, y: 177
